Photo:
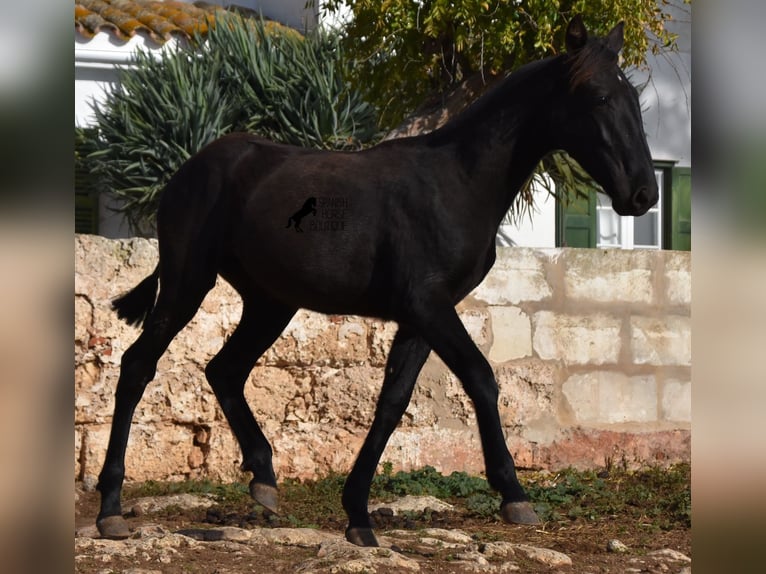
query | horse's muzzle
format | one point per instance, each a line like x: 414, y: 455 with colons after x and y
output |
x: 641, y: 201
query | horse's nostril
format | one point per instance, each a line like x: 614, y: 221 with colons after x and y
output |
x: 643, y: 197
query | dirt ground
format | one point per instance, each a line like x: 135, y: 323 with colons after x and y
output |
x: 584, y: 541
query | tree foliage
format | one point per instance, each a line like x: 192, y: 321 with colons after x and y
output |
x: 409, y: 54
x: 407, y: 51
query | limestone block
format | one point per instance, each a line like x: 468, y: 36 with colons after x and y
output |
x: 589, y: 448
x: 345, y: 397
x: 677, y: 401
x: 313, y: 339
x: 311, y: 449
x: 155, y: 451
x: 576, y: 339
x: 158, y: 450
x: 518, y: 275
x: 94, y: 396
x: 181, y: 395
x: 423, y: 410
x: 92, y: 450
x: 664, y: 341
x: 445, y: 448
x: 609, y: 275
x: 527, y: 391
x: 511, y: 334
x: 199, y: 341
x: 83, y: 320
x: 112, y: 267
x: 268, y: 392
x: 678, y: 276
x: 441, y: 398
x: 77, y: 450
x: 476, y: 322
x: 606, y: 397
x: 222, y: 455
x: 383, y: 333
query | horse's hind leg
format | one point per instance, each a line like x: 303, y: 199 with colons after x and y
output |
x: 172, y: 311
x: 261, y: 324
x: 407, y: 356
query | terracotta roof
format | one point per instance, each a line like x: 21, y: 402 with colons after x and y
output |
x: 158, y: 20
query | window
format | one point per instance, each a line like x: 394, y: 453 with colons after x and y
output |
x: 645, y: 232
x: 591, y: 221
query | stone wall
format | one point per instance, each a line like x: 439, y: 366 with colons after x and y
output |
x: 591, y: 350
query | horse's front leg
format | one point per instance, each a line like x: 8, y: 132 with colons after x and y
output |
x: 408, y: 354
x: 443, y: 330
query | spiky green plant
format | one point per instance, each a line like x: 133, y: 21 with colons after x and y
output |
x: 293, y: 89
x: 163, y: 111
x: 245, y: 75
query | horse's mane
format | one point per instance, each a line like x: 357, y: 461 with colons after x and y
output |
x: 584, y: 63
x: 509, y: 87
x: 580, y: 67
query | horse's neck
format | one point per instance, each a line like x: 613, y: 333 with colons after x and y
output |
x: 501, y: 140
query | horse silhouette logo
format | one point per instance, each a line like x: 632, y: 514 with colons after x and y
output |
x: 309, y: 206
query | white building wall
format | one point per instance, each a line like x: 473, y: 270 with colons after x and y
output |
x: 95, y: 68
x: 666, y: 101
x: 539, y: 230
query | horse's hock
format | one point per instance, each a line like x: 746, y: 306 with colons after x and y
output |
x: 591, y: 350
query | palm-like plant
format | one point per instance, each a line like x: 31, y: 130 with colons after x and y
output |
x: 245, y: 75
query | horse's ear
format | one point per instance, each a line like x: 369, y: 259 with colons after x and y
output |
x: 615, y: 38
x: 577, y: 35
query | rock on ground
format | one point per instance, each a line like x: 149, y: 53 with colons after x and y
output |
x: 313, y: 551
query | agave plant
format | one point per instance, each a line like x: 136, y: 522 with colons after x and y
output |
x: 292, y: 88
x: 245, y: 75
x: 163, y: 111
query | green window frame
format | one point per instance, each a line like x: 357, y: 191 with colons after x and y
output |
x: 577, y: 218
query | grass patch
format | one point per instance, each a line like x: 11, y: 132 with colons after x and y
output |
x: 655, y: 497
x: 230, y: 493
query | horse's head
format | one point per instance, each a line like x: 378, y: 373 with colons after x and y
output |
x: 599, y: 120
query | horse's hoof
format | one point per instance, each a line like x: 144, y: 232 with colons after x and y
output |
x: 113, y: 527
x: 519, y: 513
x: 361, y: 536
x: 265, y: 495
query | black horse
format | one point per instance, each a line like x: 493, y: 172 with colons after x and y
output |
x: 421, y: 215
x: 309, y: 207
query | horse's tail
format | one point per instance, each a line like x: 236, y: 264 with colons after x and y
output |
x: 136, y: 305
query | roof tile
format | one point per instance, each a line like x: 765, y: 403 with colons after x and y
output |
x: 158, y: 20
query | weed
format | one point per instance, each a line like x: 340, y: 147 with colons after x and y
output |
x: 657, y: 498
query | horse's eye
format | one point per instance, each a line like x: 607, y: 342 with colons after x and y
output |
x: 602, y: 100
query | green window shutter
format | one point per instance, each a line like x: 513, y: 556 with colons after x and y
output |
x: 85, y: 212
x: 680, y: 224
x: 85, y: 194
x: 576, y: 226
